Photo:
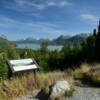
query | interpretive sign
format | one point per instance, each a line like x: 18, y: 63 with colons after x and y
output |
x: 21, y: 65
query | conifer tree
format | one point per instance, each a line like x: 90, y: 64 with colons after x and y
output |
x: 97, y: 43
x: 94, y: 32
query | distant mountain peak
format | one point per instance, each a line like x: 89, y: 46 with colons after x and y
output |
x: 75, y: 39
x: 84, y: 35
x: 62, y: 40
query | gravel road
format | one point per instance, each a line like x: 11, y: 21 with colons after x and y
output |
x: 81, y: 93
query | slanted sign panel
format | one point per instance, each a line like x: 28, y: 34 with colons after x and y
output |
x: 23, y: 65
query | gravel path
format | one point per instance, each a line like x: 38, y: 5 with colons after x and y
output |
x: 81, y: 93
x: 86, y: 93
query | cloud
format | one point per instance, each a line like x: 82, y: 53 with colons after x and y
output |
x: 30, y: 27
x: 20, y: 2
x: 59, y: 3
x: 31, y: 5
x: 64, y: 3
x: 89, y: 17
x: 38, y: 6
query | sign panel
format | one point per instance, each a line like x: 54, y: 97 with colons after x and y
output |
x: 23, y: 65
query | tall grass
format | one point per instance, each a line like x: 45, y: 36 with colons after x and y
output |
x: 27, y: 84
x: 80, y: 72
x: 88, y: 73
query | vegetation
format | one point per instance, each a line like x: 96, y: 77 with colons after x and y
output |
x: 88, y: 74
x: 69, y: 93
x: 69, y: 58
x: 28, y: 83
x: 80, y: 73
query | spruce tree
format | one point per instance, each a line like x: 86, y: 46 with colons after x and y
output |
x: 99, y: 29
x: 97, y: 43
x: 94, y: 32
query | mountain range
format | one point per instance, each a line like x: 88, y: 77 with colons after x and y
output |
x: 61, y: 40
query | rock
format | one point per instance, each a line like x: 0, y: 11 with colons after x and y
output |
x: 59, y: 88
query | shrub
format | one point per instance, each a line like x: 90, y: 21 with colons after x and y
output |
x: 3, y: 66
x: 81, y: 72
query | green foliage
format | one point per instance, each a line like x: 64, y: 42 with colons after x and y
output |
x: 28, y: 53
x: 69, y: 56
x: 55, y: 60
x: 97, y: 43
x: 3, y: 66
x: 44, y: 46
x: 10, y: 50
x: 7, y: 52
x: 49, y: 60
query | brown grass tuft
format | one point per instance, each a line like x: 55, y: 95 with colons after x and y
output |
x: 79, y: 73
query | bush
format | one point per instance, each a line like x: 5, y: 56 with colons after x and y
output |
x: 3, y: 66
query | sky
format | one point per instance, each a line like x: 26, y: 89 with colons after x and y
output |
x: 20, y: 19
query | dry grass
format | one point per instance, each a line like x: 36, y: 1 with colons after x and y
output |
x: 94, y: 74
x: 90, y: 73
x: 96, y: 77
x: 27, y: 84
x: 81, y: 72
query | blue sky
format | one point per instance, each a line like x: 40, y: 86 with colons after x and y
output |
x: 47, y: 18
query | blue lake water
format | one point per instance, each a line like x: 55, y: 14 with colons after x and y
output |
x: 37, y: 46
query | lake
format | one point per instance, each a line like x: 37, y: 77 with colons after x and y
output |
x: 37, y: 46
